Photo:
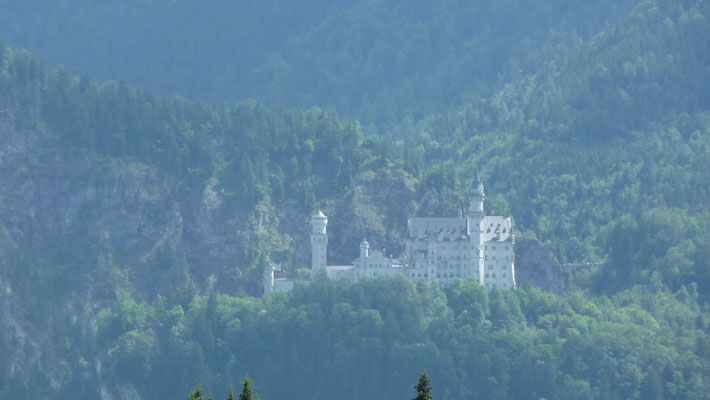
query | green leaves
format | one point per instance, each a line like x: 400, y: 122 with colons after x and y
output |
x: 383, y: 331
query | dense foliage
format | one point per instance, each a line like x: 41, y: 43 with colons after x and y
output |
x: 135, y: 226
x: 381, y: 61
x: 608, y: 137
x: 325, y: 340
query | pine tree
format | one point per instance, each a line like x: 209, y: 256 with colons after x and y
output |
x: 246, y: 391
x: 423, y: 387
x: 230, y: 393
x: 197, y: 395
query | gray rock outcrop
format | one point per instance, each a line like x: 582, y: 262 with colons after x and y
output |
x: 536, y: 264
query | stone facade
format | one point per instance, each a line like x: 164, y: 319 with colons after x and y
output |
x: 438, y: 250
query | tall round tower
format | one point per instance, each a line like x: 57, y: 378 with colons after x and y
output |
x: 474, y: 228
x: 319, y: 242
x: 478, y: 195
x: 364, y: 250
x: 269, y: 279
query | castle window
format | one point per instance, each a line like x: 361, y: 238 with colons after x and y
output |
x: 438, y: 275
x: 485, y: 247
x: 487, y: 276
x: 504, y: 285
x: 506, y: 247
x: 504, y: 275
x: 494, y: 247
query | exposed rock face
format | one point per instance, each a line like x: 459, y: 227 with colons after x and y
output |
x: 124, y: 211
x: 80, y: 229
x: 537, y: 265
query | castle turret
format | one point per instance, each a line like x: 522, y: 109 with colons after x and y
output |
x: 478, y: 195
x: 269, y: 279
x: 474, y: 228
x: 319, y: 242
x: 364, y: 250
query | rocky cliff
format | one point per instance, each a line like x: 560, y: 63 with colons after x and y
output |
x: 535, y: 264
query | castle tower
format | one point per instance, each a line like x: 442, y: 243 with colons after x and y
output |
x: 512, y: 264
x: 364, y: 251
x: 474, y: 228
x: 319, y: 242
x: 269, y: 279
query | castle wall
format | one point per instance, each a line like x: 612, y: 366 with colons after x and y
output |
x: 438, y: 250
x: 499, y: 264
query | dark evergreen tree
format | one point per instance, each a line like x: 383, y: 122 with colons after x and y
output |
x: 247, y: 393
x: 197, y: 395
x: 423, y: 387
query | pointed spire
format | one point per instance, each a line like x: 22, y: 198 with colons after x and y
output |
x: 478, y: 185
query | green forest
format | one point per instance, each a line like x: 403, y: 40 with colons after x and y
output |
x: 146, y: 184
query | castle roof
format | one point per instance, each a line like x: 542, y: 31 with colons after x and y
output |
x: 497, y: 228
x: 437, y: 228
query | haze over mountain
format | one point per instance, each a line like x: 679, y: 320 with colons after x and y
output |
x: 379, y: 61
x: 135, y: 226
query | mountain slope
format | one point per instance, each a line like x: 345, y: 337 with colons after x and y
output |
x: 382, y: 62
x: 134, y: 226
x: 609, y: 131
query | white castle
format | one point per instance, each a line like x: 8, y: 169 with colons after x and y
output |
x: 437, y: 250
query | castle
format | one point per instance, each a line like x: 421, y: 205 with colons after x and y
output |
x: 437, y: 250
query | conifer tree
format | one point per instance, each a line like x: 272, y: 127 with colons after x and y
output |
x: 230, y: 393
x: 423, y: 387
x: 246, y: 390
x: 197, y: 395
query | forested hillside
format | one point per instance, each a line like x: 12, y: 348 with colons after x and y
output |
x: 384, y: 62
x: 113, y: 192
x: 602, y: 152
x: 135, y: 226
